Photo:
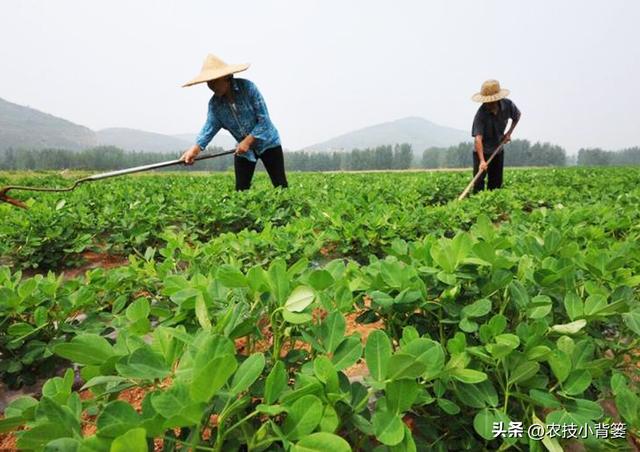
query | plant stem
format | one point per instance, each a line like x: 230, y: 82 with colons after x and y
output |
x: 240, y: 422
x: 506, y: 400
x: 362, y: 404
x: 194, y: 438
x: 441, y: 327
x: 220, y: 433
x: 176, y: 440
x: 506, y: 387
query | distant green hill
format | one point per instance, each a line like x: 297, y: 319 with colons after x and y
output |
x: 418, y: 132
x: 222, y: 139
x: 25, y: 128
x: 141, y: 141
x: 138, y: 140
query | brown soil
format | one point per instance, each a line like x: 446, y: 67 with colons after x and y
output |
x: 96, y: 260
x: 91, y: 260
x: 359, y: 369
x: 632, y: 365
x: 329, y: 250
x: 503, y: 217
x: 610, y: 409
x: 135, y: 396
x: 7, y: 442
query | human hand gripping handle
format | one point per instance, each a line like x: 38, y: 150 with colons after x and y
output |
x: 484, y: 164
x: 481, y: 169
x: 244, y: 146
x: 190, y: 154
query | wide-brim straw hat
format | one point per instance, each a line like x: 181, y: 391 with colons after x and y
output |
x: 490, y: 92
x: 213, y: 68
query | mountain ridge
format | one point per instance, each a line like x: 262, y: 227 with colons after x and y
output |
x: 23, y: 127
x: 417, y: 131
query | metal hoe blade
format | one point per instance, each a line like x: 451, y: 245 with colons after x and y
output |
x: 16, y: 202
x: 6, y: 198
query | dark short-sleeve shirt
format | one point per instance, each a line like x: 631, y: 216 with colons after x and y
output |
x: 491, y: 126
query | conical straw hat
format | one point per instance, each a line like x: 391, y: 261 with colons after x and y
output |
x: 213, y: 68
x: 490, y: 92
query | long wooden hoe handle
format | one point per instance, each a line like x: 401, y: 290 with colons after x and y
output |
x: 479, y: 173
x: 16, y: 202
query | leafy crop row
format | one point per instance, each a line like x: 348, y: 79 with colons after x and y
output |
x: 519, y: 305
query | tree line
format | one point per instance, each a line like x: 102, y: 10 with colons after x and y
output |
x: 600, y: 157
x: 101, y: 158
x: 517, y: 153
x: 387, y: 157
x: 104, y: 158
x: 400, y: 156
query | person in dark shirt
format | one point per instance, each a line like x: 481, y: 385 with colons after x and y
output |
x: 488, y: 131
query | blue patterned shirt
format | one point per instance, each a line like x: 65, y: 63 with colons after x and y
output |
x: 247, y: 116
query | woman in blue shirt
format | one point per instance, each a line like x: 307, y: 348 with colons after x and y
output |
x: 238, y: 106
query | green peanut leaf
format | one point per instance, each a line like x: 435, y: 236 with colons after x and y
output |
x: 577, y: 382
x: 388, y: 428
x: 300, y: 299
x: 143, y: 363
x: 539, y: 307
x: 135, y: 440
x: 569, y: 328
x: 332, y: 331
x: 320, y: 279
x: 85, y: 349
x: 347, y: 353
x: 303, y: 417
x: 468, y: 376
x: 138, y: 310
x: 477, y: 309
x: 401, y: 394
x: 560, y: 364
x: 231, y: 277
x: 116, y: 419
x: 275, y: 383
x: 247, y: 373
x: 523, y: 372
x: 485, y: 419
x: 321, y: 442
x: 377, y: 353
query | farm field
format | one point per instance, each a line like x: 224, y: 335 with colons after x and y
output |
x: 349, y: 312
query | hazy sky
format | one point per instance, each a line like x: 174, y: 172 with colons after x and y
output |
x: 328, y: 67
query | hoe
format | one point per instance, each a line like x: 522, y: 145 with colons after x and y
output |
x: 95, y: 177
x: 139, y: 169
x: 479, y: 174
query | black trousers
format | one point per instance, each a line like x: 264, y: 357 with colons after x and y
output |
x: 273, y: 160
x: 494, y: 172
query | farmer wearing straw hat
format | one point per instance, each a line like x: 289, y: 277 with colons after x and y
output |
x: 238, y: 106
x: 488, y: 129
